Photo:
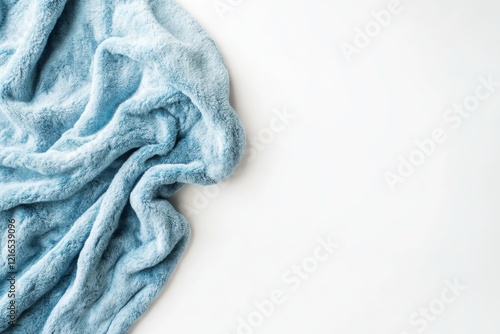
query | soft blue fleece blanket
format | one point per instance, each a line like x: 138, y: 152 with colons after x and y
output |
x: 107, y: 107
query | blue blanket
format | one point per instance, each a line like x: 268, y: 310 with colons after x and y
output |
x: 107, y: 107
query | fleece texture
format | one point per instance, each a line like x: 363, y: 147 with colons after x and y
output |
x: 107, y: 107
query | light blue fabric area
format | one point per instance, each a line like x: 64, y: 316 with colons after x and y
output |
x: 107, y: 107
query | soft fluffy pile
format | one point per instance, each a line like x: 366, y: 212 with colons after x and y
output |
x: 107, y: 107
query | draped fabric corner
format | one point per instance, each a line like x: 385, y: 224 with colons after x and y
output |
x: 106, y: 109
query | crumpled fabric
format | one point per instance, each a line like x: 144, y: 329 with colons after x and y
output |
x: 107, y: 107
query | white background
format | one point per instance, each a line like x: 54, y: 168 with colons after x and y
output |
x: 323, y: 174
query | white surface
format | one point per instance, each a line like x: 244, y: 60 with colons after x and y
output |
x: 323, y: 174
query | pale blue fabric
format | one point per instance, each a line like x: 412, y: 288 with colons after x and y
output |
x: 107, y: 107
